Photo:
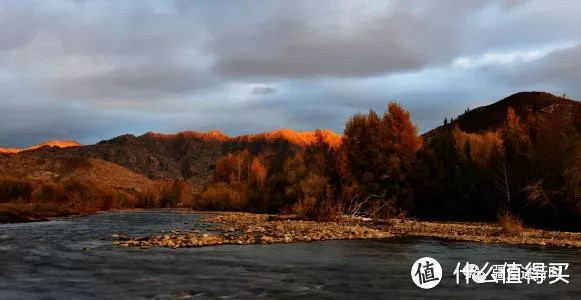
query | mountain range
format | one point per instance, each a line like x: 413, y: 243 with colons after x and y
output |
x: 192, y: 155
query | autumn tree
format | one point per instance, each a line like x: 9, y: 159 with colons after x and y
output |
x: 541, y: 152
x: 258, y: 171
x: 380, y: 153
x: 233, y: 167
x: 452, y: 178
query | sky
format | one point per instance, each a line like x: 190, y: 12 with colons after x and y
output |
x: 91, y: 70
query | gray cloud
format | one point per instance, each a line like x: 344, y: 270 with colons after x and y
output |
x: 561, y: 70
x: 293, y: 43
x: 263, y: 90
x: 90, y: 70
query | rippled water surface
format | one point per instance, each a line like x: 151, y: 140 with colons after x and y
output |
x: 75, y: 259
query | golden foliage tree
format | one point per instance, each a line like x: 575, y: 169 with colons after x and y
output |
x: 258, y: 171
x: 380, y: 153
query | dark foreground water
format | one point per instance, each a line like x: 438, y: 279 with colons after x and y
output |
x: 51, y: 260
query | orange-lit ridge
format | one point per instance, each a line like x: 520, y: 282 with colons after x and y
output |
x: 302, y: 138
x: 51, y: 143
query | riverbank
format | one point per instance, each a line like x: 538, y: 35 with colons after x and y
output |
x: 246, y: 228
x: 15, y: 212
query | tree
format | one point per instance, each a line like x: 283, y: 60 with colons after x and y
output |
x: 233, y: 167
x: 258, y: 171
x: 540, y: 152
x: 380, y: 153
x: 502, y: 176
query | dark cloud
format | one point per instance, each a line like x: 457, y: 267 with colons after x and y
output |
x: 561, y: 70
x: 90, y: 70
x: 145, y: 83
x: 263, y: 90
x: 295, y: 44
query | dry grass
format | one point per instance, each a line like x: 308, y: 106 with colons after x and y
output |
x: 510, y: 224
x: 60, y: 169
x: 303, y: 207
x: 311, y: 210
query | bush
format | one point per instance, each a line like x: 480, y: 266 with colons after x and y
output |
x: 304, y: 207
x: 223, y: 196
x: 509, y: 223
x: 315, y: 199
x: 51, y: 192
x: 13, y: 189
x: 150, y: 197
x: 30, y: 200
x: 310, y: 209
x: 176, y: 193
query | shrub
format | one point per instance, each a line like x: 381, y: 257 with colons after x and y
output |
x: 51, y: 192
x: 315, y: 199
x: 509, y: 223
x: 223, y: 196
x: 150, y: 197
x: 13, y: 189
x: 176, y: 193
x: 311, y: 209
x: 304, y: 207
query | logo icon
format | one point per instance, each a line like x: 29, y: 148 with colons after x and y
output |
x: 426, y: 272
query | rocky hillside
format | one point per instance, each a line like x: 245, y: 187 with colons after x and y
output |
x: 185, y: 155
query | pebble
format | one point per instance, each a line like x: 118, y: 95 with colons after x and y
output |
x: 247, y: 228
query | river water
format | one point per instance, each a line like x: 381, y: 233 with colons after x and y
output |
x: 75, y: 259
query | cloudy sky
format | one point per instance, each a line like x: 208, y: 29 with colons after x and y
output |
x: 91, y: 70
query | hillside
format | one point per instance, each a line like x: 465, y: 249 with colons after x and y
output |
x: 103, y: 173
x: 186, y: 155
x: 52, y: 143
x: 493, y: 116
x: 192, y: 155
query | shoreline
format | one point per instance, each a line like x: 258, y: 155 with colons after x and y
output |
x: 240, y: 228
x: 236, y: 228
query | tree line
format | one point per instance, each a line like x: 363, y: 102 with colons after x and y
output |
x: 383, y: 169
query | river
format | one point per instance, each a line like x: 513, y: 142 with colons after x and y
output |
x: 74, y: 258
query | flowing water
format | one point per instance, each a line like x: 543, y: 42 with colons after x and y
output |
x: 75, y: 259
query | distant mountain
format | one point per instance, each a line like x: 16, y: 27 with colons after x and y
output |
x: 192, y: 155
x: 493, y: 116
x: 186, y: 155
x: 52, y: 143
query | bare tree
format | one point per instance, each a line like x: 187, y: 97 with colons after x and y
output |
x: 502, y: 180
x: 537, y: 196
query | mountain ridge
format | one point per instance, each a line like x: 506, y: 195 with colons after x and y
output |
x: 49, y: 143
x: 192, y: 156
x: 187, y: 155
x: 492, y: 116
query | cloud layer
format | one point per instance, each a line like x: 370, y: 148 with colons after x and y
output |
x: 90, y: 70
